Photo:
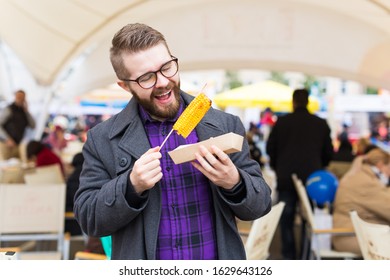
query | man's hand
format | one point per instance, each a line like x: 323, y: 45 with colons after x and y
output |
x: 146, y: 171
x: 217, y: 166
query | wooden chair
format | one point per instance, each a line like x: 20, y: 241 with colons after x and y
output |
x: 80, y: 255
x: 30, y: 214
x: 261, y: 234
x: 373, y: 239
x: 50, y: 174
x: 314, y: 231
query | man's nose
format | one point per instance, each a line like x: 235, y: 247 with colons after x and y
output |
x: 162, y: 81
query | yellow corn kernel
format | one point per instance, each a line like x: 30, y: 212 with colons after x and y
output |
x: 192, y: 115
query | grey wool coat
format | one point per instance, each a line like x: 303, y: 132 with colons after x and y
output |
x: 101, y: 207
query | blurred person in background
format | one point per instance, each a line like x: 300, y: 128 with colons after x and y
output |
x: 299, y: 143
x: 267, y: 121
x: 363, y: 189
x: 42, y: 155
x: 342, y: 158
x: 93, y: 244
x: 344, y: 152
x: 56, y: 139
x: 364, y: 145
x: 72, y: 184
x: 14, y: 121
x: 254, y: 150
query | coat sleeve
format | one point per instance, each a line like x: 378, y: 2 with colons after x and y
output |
x: 100, y: 204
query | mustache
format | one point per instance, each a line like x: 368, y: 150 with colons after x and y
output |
x: 170, y: 87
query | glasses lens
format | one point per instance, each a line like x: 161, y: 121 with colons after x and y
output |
x: 169, y: 69
x: 147, y: 80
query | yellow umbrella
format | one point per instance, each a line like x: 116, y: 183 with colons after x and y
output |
x: 262, y: 95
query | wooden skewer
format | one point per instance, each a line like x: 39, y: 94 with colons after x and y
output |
x: 165, y: 140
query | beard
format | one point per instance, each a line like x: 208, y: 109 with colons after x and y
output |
x: 158, y: 112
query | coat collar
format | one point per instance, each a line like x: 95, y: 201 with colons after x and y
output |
x: 124, y: 118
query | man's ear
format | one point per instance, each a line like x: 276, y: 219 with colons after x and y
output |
x: 123, y: 85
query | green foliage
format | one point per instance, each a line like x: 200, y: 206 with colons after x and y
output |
x: 310, y: 81
x: 232, y: 79
x: 371, y: 90
x: 278, y: 77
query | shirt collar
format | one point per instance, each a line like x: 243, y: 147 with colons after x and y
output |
x: 382, y: 177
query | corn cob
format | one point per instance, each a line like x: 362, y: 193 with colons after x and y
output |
x: 192, y: 115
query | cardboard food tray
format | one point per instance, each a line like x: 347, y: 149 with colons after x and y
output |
x: 229, y: 143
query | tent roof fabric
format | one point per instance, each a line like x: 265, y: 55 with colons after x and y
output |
x: 349, y: 38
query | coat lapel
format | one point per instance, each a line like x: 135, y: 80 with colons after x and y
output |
x: 134, y: 140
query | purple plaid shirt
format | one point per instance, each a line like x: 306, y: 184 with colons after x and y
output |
x: 186, y: 230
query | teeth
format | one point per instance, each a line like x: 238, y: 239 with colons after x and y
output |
x: 163, y: 94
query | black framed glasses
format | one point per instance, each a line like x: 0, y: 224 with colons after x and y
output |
x: 149, y: 80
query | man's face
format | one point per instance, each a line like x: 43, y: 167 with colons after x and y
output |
x: 20, y: 98
x: 163, y: 99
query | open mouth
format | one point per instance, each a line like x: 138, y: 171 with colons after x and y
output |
x: 164, y: 96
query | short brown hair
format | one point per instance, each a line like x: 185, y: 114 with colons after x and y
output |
x: 33, y: 148
x: 20, y: 91
x: 132, y: 38
x: 377, y: 155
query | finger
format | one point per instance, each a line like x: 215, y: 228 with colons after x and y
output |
x: 152, y: 165
x: 152, y: 150
x: 208, y: 156
x: 150, y: 155
x: 148, y: 164
x: 200, y: 159
x: 146, y: 177
x: 157, y: 178
x: 222, y: 156
x: 204, y: 163
x: 154, y: 172
x: 153, y: 176
x: 199, y: 167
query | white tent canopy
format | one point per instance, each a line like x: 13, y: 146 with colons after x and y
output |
x: 348, y: 39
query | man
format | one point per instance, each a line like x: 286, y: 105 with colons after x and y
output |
x: 299, y: 143
x: 14, y: 120
x: 152, y: 208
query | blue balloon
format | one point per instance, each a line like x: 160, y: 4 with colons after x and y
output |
x: 321, y: 187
